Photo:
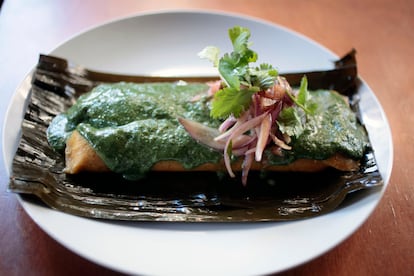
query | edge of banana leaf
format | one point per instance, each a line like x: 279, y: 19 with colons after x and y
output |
x: 189, y: 196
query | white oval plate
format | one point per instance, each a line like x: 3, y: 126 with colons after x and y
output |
x: 165, y: 43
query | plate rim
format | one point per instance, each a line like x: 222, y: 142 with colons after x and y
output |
x: 15, y: 95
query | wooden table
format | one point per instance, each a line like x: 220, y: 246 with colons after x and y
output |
x: 381, y: 31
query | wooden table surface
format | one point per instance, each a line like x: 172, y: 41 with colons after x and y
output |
x: 382, y: 31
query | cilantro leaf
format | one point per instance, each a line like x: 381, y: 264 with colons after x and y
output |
x: 241, y: 80
x: 303, y: 97
x: 303, y: 94
x: 263, y: 76
x: 230, y: 101
x: 211, y: 53
x: 239, y: 37
x: 290, y: 121
x: 230, y: 70
x: 234, y: 66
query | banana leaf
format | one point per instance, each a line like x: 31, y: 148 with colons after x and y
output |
x: 37, y: 170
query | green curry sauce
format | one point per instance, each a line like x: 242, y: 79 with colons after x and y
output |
x: 133, y: 126
x: 333, y: 128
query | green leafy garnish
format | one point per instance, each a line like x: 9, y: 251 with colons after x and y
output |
x: 211, y: 53
x: 241, y: 80
x: 275, y: 110
x: 231, y: 101
x: 303, y: 97
x: 291, y: 119
x: 263, y: 76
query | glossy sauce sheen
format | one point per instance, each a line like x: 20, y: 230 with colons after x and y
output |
x: 133, y: 126
x: 332, y: 129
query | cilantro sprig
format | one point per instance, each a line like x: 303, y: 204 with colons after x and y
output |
x: 291, y: 118
x: 241, y: 80
x: 303, y: 97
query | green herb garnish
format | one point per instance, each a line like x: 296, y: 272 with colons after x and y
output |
x: 241, y: 80
x: 291, y: 119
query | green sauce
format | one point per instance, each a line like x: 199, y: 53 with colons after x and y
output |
x: 133, y: 126
x: 333, y: 128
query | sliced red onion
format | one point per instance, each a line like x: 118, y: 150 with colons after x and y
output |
x: 237, y: 132
x: 240, y: 151
x: 280, y: 143
x: 259, y: 120
x: 205, y: 135
x: 214, y: 87
x: 247, y: 125
x: 276, y: 111
x: 227, y: 161
x: 251, y: 151
x: 202, y: 133
x: 248, y: 140
x: 239, y: 121
x: 263, y: 137
x: 230, y: 121
x: 247, y: 164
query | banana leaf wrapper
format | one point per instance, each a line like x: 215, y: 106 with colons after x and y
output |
x: 37, y: 170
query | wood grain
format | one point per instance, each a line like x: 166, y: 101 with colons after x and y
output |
x: 382, y: 33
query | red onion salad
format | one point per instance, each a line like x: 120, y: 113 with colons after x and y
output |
x: 248, y: 135
x: 259, y: 108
